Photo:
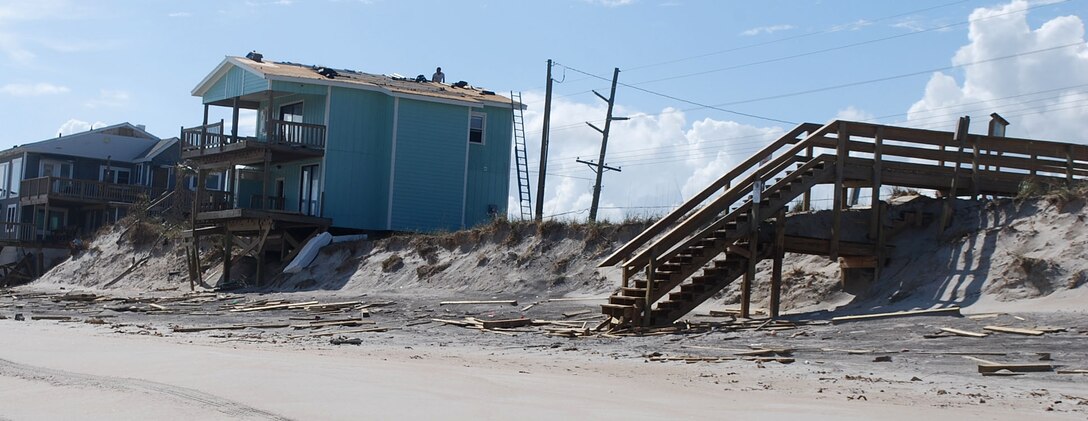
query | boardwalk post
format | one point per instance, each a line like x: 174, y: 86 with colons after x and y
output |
x: 841, y: 154
x: 806, y: 201
x: 228, y: 242
x: 776, y: 270
x: 960, y: 138
x: 874, y: 201
x: 974, y: 168
x: 647, y: 305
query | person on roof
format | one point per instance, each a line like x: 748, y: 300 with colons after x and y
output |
x: 438, y: 76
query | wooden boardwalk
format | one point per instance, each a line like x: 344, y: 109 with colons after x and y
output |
x: 720, y: 234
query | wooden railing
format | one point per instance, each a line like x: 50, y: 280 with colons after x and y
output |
x: 85, y: 190
x: 216, y: 201
x: 211, y: 137
x: 922, y: 159
x: 287, y: 132
x: 17, y: 231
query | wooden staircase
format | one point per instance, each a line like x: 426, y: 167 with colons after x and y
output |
x: 722, y: 232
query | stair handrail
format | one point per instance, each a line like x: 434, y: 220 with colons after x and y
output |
x: 722, y: 203
x: 689, y: 205
x: 743, y: 209
x: 730, y: 196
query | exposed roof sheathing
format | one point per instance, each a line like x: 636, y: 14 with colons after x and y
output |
x: 349, y: 78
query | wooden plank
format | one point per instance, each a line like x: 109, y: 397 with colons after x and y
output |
x: 570, y: 314
x: 1015, y: 367
x: 274, y: 307
x: 508, y: 323
x: 938, y: 311
x: 964, y: 332
x: 1014, y: 330
x: 479, y: 302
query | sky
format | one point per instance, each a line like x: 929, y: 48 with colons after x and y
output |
x: 705, y: 82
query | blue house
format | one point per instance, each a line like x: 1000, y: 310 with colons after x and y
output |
x: 351, y: 150
x: 57, y: 189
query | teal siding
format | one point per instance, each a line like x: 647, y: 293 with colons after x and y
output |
x: 298, y: 88
x: 489, y: 167
x: 428, y: 186
x: 357, y: 156
x: 290, y: 173
x: 236, y: 82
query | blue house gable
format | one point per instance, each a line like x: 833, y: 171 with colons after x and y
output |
x: 366, y: 151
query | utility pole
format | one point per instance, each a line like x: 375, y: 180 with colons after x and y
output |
x: 604, y: 143
x: 544, y: 146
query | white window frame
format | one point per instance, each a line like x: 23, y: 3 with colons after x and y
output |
x: 483, y: 128
x: 12, y: 217
x: 59, y: 164
x: 216, y: 186
x: 115, y: 170
x: 5, y: 179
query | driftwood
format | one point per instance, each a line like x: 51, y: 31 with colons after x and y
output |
x: 938, y: 311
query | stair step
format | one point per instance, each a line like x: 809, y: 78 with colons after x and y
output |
x: 681, y: 296
x: 632, y: 292
x: 623, y: 300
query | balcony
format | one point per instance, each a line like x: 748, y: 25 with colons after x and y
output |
x: 286, y: 141
x: 42, y: 190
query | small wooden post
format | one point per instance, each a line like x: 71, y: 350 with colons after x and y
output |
x: 234, y: 121
x: 840, y: 164
x: 975, y: 168
x: 776, y: 271
x: 204, y: 130
x: 1069, y: 163
x: 626, y: 274
x: 647, y: 303
x: 228, y: 244
x: 753, y: 258
x: 881, y: 240
x: 874, y: 202
x: 806, y: 201
x: 960, y: 137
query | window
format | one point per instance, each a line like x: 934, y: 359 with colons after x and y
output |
x: 212, y: 181
x: 4, y: 180
x: 114, y: 175
x: 54, y: 168
x: 291, y: 112
x: 16, y: 176
x: 476, y: 125
x: 12, y: 217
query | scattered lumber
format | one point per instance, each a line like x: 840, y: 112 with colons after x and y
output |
x: 274, y: 307
x: 45, y: 317
x: 570, y: 314
x: 938, y: 311
x: 180, y: 329
x: 499, y: 302
x: 509, y: 323
x: 690, y: 359
x: 341, y: 332
x: 346, y: 341
x: 780, y: 360
x: 1015, y: 367
x: 327, y: 323
x: 1074, y: 371
x: 964, y: 333
x: 559, y: 300
x: 983, y: 316
x: 157, y: 307
x: 1014, y: 330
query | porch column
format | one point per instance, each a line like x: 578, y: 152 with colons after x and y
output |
x: 268, y: 130
x: 234, y: 121
x: 204, y: 130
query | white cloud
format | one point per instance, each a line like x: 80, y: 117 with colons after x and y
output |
x: 610, y: 3
x: 912, y: 24
x: 663, y: 158
x: 35, y: 89
x: 109, y: 98
x: 76, y: 126
x: 853, y: 113
x: 852, y: 26
x: 180, y: 14
x: 766, y: 30
x: 1042, y: 94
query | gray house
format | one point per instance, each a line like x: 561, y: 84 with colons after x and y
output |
x: 57, y: 189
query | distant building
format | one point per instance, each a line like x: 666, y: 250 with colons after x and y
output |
x: 57, y: 189
x: 352, y: 150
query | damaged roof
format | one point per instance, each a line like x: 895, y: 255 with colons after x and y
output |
x: 391, y: 84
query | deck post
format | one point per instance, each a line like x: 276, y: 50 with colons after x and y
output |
x: 975, y: 168
x: 753, y: 252
x: 806, y: 201
x: 204, y: 130
x: 881, y: 240
x: 776, y: 270
x: 626, y: 274
x: 647, y: 303
x: 874, y: 201
x: 1069, y: 163
x: 960, y: 137
x: 233, y: 122
x: 836, y: 214
x: 228, y: 243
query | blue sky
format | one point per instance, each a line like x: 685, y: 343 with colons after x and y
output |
x: 70, y: 64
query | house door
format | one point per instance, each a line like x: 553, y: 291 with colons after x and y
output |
x: 54, y: 168
x: 278, y: 205
x: 309, y: 186
x: 290, y: 113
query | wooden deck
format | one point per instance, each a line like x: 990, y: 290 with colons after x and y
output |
x: 722, y: 232
x: 233, y: 215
